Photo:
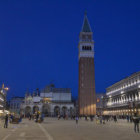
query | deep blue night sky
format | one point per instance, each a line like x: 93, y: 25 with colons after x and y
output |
x: 39, y: 42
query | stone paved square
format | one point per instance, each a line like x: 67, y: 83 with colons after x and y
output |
x: 53, y: 129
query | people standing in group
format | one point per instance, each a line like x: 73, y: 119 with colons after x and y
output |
x: 136, y: 122
x: 6, y: 121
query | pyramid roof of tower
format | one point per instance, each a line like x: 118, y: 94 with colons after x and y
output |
x: 86, y: 26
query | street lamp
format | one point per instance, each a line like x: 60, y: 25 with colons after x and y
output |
x: 4, y: 92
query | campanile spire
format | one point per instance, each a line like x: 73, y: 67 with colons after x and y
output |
x: 86, y: 26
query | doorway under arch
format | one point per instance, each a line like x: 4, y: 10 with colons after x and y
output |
x: 56, y: 110
x: 35, y: 109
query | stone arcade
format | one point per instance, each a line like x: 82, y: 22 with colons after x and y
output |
x: 123, y: 97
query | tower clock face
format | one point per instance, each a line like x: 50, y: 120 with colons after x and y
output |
x: 86, y: 37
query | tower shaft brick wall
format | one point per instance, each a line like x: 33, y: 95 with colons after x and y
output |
x: 87, y: 100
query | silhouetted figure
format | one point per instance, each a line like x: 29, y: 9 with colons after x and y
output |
x: 91, y: 118
x: 86, y: 118
x: 58, y: 116
x: 136, y: 123
x: 103, y: 119
x: 128, y: 118
x: 131, y: 119
x: 6, y: 121
x: 76, y: 118
x: 115, y: 119
x: 100, y: 118
x: 37, y: 117
x: 30, y: 116
x: 42, y: 117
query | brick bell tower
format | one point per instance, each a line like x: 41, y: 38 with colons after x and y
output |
x: 86, y: 91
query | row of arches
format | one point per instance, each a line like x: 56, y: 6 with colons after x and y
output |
x: 62, y: 111
x: 29, y: 110
x: 46, y: 110
x: 86, y: 48
x: 124, y: 98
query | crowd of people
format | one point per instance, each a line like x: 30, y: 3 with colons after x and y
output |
x: 99, y: 119
x: 37, y: 116
x: 103, y: 119
x: 11, y: 118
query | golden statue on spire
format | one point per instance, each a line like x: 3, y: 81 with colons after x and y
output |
x: 3, y: 86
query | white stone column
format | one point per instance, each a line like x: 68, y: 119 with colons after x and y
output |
x: 136, y: 97
x: 139, y: 94
x: 118, y: 100
x: 121, y: 101
x: 124, y: 99
x: 129, y: 98
x: 133, y: 98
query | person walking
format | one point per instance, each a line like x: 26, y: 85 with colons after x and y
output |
x: 128, y: 118
x: 37, y: 116
x: 136, y: 123
x: 30, y: 116
x: 11, y: 118
x: 91, y: 118
x: 115, y: 118
x: 101, y: 119
x: 42, y: 117
x: 76, y: 119
x: 6, y: 121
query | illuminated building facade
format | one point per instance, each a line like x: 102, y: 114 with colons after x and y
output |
x: 15, y: 104
x: 86, y: 93
x: 51, y: 101
x: 123, y: 97
x: 99, y: 103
